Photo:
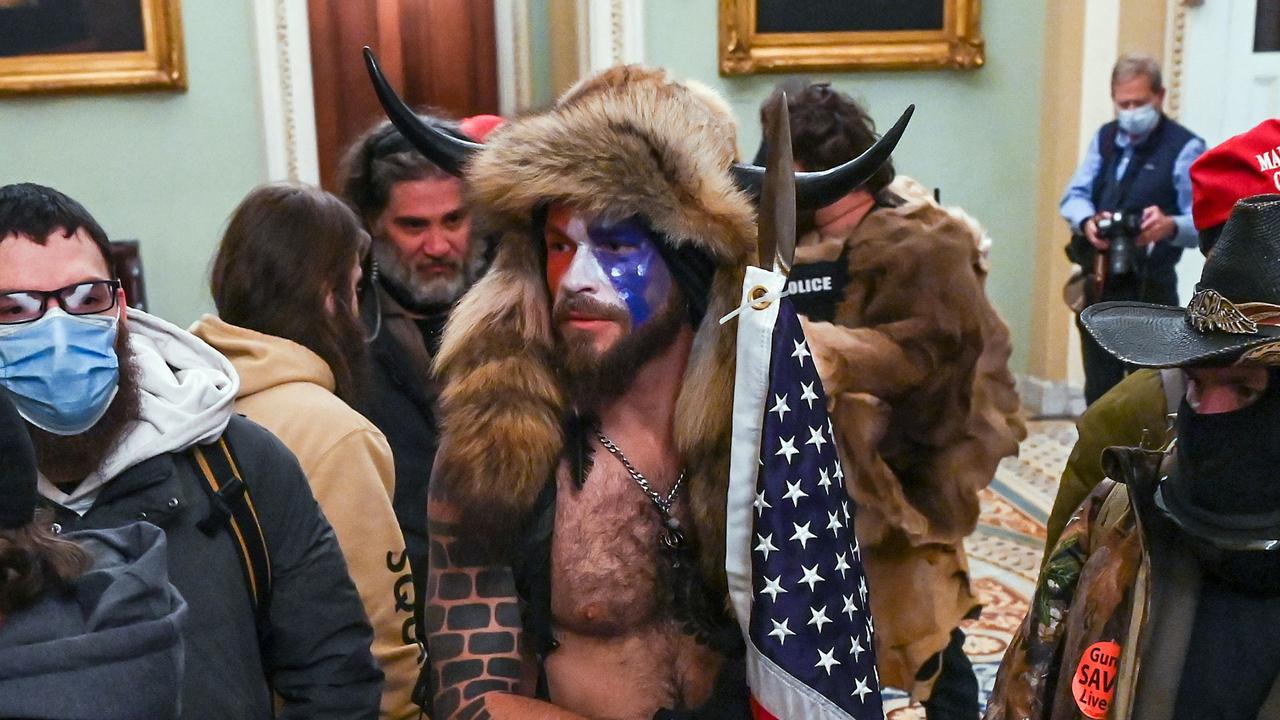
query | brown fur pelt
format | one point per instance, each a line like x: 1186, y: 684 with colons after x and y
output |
x: 625, y: 142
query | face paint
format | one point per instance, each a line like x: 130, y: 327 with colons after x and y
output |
x: 616, y: 264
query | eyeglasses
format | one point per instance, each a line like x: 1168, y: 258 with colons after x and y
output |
x: 86, y: 298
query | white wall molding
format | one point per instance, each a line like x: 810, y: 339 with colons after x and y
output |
x: 511, y: 24
x: 286, y: 99
x: 614, y: 33
x: 1043, y: 398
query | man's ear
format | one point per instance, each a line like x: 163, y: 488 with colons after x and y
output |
x: 121, y: 300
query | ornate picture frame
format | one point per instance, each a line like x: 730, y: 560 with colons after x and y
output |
x: 102, y: 47
x: 759, y: 36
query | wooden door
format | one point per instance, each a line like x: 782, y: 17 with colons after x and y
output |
x: 441, y: 55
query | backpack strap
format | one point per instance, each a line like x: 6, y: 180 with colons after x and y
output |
x: 231, y: 506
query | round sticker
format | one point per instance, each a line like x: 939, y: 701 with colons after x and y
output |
x: 1094, y: 682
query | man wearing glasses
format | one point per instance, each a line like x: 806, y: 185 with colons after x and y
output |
x: 116, y: 400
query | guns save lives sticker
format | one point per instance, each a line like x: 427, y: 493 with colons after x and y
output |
x: 1094, y: 684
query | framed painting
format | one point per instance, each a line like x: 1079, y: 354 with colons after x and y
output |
x: 90, y: 45
x: 802, y: 35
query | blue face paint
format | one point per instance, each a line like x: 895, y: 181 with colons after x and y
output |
x: 628, y: 254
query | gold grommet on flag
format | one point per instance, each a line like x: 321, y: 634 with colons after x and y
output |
x: 756, y: 295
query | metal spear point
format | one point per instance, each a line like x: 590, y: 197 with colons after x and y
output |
x: 777, y: 219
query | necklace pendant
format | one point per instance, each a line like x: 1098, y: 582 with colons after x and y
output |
x: 671, y: 539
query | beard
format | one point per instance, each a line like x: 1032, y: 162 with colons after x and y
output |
x: 66, y: 460
x: 593, y: 378
x: 417, y: 292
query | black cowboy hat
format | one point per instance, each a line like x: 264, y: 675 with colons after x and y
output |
x: 1234, y: 315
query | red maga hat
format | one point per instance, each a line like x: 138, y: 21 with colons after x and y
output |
x: 1245, y: 165
x: 478, y: 127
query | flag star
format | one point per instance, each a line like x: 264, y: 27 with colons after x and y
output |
x: 788, y: 448
x: 780, y: 406
x: 760, y: 503
x: 833, y: 523
x: 831, y: 429
x: 850, y: 607
x: 773, y: 587
x: 801, y: 352
x: 862, y: 690
x: 871, y: 625
x: 807, y: 394
x: 862, y: 588
x: 824, y: 480
x: 766, y: 545
x: 781, y: 630
x: 794, y: 493
x: 802, y: 535
x: 841, y: 565
x: 857, y: 648
x: 811, y: 576
x: 815, y: 438
x: 839, y: 471
x: 818, y: 616
x: 827, y: 659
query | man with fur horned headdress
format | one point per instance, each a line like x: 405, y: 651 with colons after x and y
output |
x: 577, y: 509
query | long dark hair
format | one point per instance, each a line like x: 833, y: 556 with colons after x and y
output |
x: 284, y: 269
x: 34, y: 561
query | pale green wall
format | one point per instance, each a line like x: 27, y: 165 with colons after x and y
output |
x: 975, y: 134
x: 166, y: 168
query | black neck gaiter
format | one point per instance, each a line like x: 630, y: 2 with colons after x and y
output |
x: 1229, y: 463
x: 1227, y: 486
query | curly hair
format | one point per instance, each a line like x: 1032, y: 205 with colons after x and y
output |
x: 34, y: 561
x: 828, y: 128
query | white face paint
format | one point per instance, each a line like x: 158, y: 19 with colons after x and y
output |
x: 585, y: 274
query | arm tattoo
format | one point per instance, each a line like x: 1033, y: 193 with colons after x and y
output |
x: 472, y: 622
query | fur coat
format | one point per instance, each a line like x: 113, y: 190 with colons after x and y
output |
x: 915, y: 365
x: 628, y: 141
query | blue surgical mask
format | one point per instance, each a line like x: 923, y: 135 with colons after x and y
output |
x: 61, y: 371
x: 1139, y: 121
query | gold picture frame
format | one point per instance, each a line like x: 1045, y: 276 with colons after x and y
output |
x: 160, y: 65
x: 957, y: 43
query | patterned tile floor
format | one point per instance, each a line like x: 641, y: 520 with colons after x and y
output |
x: 1005, y: 551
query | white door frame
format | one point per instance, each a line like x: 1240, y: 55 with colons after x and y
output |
x: 286, y: 98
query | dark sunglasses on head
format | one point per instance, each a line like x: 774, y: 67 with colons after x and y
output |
x: 86, y: 298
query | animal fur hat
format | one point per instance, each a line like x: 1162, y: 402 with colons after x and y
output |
x: 626, y: 142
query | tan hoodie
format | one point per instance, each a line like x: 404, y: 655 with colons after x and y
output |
x: 289, y: 390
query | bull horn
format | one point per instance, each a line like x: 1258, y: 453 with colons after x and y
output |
x: 446, y: 151
x: 819, y: 189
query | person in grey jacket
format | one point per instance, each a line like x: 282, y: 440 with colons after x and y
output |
x: 89, y: 624
x: 116, y: 400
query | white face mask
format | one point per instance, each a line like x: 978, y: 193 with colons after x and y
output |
x: 1140, y: 120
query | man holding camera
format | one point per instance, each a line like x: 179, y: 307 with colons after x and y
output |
x: 1129, y: 206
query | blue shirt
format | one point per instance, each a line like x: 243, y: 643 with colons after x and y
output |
x: 1077, y: 204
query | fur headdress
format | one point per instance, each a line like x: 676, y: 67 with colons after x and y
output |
x: 626, y: 142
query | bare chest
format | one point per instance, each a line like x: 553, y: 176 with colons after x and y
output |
x: 605, y: 553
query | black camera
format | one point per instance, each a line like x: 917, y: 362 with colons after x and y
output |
x: 1121, y: 229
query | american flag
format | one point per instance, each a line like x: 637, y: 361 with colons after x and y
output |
x: 795, y: 570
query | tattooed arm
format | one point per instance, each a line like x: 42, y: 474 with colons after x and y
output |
x: 478, y: 664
